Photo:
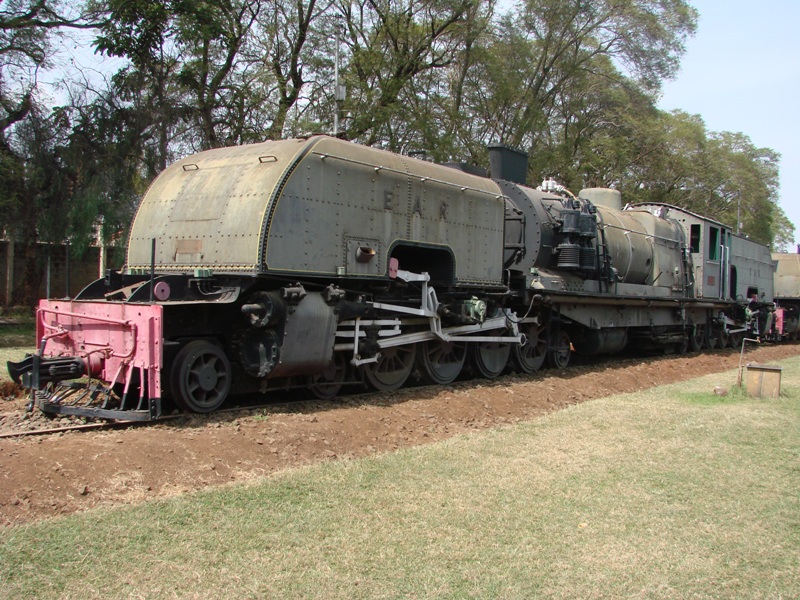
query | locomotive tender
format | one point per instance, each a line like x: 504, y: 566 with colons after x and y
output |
x: 787, y: 291
x: 319, y: 263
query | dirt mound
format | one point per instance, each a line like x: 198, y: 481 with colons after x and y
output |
x: 9, y: 390
x: 63, y: 473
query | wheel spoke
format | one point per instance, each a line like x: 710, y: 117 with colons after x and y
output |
x: 441, y: 362
x: 200, y: 377
x: 558, y: 356
x: 530, y: 356
x: 392, y: 371
x: 697, y: 339
x: 490, y: 358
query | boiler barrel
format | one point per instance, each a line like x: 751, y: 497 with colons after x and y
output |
x: 628, y: 245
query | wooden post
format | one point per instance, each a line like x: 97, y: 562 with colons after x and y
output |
x: 10, y: 271
x: 67, y: 274
x: 101, y: 243
x: 47, y: 279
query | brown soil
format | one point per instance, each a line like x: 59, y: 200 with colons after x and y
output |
x: 63, y: 473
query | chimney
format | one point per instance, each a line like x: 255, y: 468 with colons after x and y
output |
x: 508, y: 164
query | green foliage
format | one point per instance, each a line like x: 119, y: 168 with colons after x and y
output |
x: 391, y: 48
x: 135, y: 30
x: 720, y: 175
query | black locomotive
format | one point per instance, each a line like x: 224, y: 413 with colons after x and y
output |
x: 319, y: 263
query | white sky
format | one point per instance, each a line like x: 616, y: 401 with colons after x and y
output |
x: 741, y: 72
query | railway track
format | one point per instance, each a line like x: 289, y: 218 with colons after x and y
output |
x: 243, y: 405
x: 256, y: 404
x: 233, y: 410
x: 53, y: 430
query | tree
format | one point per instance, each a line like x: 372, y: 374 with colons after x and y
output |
x: 542, y: 51
x: 294, y: 45
x: 189, y: 58
x: 573, y: 82
x: 106, y: 156
x: 746, y: 185
x: 391, y: 44
x: 31, y: 187
x: 723, y: 176
x: 138, y: 30
x: 432, y: 113
x: 213, y: 74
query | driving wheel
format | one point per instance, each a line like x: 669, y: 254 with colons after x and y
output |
x: 559, y: 354
x: 490, y: 358
x: 200, y: 377
x: 328, y: 384
x: 441, y: 362
x: 530, y: 356
x: 393, y: 368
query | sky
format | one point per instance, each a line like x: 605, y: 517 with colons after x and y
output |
x: 741, y: 73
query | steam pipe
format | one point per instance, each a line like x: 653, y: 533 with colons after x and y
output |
x: 67, y: 273
x: 152, y: 270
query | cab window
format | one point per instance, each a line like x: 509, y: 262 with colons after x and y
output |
x: 713, y: 244
x: 694, y: 239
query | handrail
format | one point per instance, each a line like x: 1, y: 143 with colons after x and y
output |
x: 85, y: 316
x: 59, y: 331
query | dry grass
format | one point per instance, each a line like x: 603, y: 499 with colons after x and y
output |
x: 13, y: 354
x: 14, y: 335
x: 16, y: 340
x: 670, y: 493
x: 10, y: 393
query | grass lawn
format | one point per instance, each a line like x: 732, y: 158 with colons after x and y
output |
x: 17, y: 334
x: 16, y: 339
x: 13, y: 354
x: 669, y: 493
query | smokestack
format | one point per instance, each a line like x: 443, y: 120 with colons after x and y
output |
x: 509, y: 164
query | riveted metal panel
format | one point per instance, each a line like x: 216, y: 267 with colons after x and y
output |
x: 787, y: 278
x: 709, y: 249
x: 666, y: 238
x: 118, y: 337
x: 207, y: 210
x: 340, y: 192
x: 755, y: 269
x: 363, y: 257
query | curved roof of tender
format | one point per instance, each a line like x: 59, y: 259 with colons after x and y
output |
x: 207, y: 210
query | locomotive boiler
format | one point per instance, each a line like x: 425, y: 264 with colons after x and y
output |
x: 321, y: 263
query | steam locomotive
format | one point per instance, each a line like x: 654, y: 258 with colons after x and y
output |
x: 320, y: 263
